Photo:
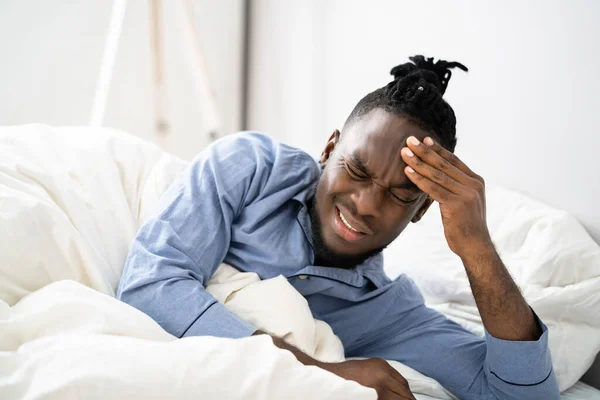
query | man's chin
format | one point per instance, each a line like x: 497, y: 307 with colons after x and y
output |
x: 326, y: 255
x: 344, y: 261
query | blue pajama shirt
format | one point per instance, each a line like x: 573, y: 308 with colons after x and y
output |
x: 243, y: 201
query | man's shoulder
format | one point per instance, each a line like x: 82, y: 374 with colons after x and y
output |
x: 260, y: 163
x: 249, y: 138
x: 257, y: 149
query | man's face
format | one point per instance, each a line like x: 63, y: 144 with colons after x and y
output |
x: 363, y: 199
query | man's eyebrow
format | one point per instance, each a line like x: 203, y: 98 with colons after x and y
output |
x: 407, y: 186
x: 358, y: 162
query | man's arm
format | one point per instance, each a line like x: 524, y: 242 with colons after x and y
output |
x: 176, y: 252
x: 505, y: 313
x: 461, y: 195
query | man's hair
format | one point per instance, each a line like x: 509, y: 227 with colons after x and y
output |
x: 416, y: 93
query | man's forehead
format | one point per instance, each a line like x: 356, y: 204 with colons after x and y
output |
x: 374, y: 143
x: 380, y: 129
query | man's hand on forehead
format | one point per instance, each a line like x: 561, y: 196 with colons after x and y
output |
x: 460, y: 192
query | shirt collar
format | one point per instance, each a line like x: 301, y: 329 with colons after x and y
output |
x: 302, y: 212
x: 371, y: 269
x: 308, y: 193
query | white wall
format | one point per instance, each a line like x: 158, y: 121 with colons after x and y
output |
x: 527, y: 110
x: 51, y: 54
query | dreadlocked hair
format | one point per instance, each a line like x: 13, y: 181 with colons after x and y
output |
x: 416, y: 93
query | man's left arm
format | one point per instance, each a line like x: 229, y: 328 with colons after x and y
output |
x: 510, y: 324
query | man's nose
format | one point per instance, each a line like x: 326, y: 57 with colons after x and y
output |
x: 369, y: 200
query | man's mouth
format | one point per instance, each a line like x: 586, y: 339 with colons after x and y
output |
x: 346, y: 222
x: 345, y: 229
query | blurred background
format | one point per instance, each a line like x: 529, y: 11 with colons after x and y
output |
x: 182, y: 73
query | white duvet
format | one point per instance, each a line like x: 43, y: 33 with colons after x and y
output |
x: 71, y: 201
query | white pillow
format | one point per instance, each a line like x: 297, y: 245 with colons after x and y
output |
x: 71, y: 202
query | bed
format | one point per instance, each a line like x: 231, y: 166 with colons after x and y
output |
x: 71, y: 201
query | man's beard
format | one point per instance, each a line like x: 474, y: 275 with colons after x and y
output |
x: 324, y: 256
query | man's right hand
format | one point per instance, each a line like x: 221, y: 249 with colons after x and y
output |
x: 374, y: 373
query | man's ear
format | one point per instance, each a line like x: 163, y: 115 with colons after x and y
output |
x: 424, y: 207
x: 334, y: 139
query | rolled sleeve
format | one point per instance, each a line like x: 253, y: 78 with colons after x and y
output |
x: 522, y: 363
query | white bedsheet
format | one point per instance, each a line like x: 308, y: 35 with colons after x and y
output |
x: 67, y: 341
x: 581, y: 391
x: 71, y: 201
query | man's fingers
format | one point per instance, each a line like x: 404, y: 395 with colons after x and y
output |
x: 402, y: 392
x: 476, y: 181
x: 390, y: 394
x: 431, y: 156
x: 399, y: 385
x: 436, y: 175
x: 394, y: 396
x: 435, y: 191
x: 450, y: 157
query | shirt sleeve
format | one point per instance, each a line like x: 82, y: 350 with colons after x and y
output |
x: 469, y: 366
x: 176, y: 252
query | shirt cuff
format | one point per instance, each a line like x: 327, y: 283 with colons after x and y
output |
x: 218, y: 321
x: 525, y: 363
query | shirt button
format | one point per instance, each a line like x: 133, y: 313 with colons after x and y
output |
x: 302, y: 276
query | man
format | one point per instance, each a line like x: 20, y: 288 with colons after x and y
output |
x: 264, y: 207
